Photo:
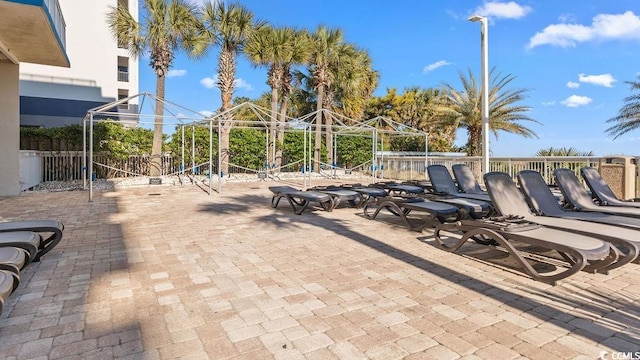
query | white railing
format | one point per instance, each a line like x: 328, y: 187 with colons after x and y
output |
x: 67, y: 165
x: 414, y: 167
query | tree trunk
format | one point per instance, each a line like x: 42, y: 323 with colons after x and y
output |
x: 317, y: 143
x: 328, y: 134
x: 280, y: 138
x: 474, y: 145
x: 156, y: 147
x: 224, y: 150
x: 226, y: 76
x: 272, y: 128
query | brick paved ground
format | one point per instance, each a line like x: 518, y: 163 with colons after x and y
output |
x: 169, y: 272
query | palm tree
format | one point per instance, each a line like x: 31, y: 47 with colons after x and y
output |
x: 266, y: 47
x: 628, y: 118
x: 169, y: 25
x: 228, y: 27
x: 325, y: 46
x: 279, y: 49
x: 462, y: 109
x: 563, y: 151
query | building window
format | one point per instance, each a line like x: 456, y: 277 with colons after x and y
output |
x: 123, y: 68
x: 123, y: 94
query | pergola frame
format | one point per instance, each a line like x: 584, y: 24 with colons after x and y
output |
x: 375, y: 128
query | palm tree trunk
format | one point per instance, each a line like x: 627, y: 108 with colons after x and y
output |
x: 156, y: 146
x: 316, y: 144
x: 328, y: 137
x: 272, y: 127
x: 280, y: 137
x: 474, y: 146
x: 226, y: 76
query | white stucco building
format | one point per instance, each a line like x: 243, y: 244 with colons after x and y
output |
x: 30, y: 31
x: 100, y: 72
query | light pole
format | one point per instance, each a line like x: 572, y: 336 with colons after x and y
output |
x: 484, y: 41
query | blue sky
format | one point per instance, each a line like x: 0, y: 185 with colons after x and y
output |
x: 574, y: 56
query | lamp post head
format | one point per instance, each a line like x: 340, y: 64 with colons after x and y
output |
x: 475, y: 18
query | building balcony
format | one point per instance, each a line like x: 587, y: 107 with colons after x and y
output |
x: 33, y: 31
x: 123, y: 76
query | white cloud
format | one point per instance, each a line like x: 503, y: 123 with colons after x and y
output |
x: 242, y: 84
x: 435, y: 65
x: 211, y: 82
x: 507, y: 10
x: 603, y: 27
x: 206, y: 113
x: 576, y: 100
x: 176, y: 73
x: 548, y: 103
x: 573, y: 85
x: 605, y: 80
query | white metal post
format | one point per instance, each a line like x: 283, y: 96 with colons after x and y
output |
x: 484, y: 45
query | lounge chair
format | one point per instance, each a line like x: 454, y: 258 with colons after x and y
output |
x: 467, y: 182
x: 7, y: 286
x: 50, y: 230
x: 579, y: 251
x: 443, y: 184
x: 367, y: 193
x: 537, y: 194
x: 340, y: 195
x: 509, y: 201
x: 601, y: 191
x: 577, y: 196
x: 300, y: 200
x: 402, y: 206
x: 394, y: 188
x: 13, y: 260
x: 27, y: 242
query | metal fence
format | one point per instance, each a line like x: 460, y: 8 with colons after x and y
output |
x: 67, y: 165
x: 414, y: 167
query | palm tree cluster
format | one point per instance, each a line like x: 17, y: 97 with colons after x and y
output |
x: 304, y: 67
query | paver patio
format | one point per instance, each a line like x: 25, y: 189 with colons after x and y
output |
x: 169, y: 272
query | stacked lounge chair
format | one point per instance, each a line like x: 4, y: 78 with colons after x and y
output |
x: 601, y: 191
x: 617, y: 230
x: 537, y: 193
x: 17, y: 250
x: 577, y: 196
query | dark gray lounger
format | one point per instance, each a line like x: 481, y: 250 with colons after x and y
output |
x: 402, y: 207
x: 549, y: 213
x: 602, y: 191
x: 443, y: 183
x: 51, y: 232
x: 577, y: 196
x: 300, y: 200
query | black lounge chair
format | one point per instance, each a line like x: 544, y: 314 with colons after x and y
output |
x: 394, y: 188
x: 7, y: 286
x: 27, y: 242
x: 402, y: 206
x: 580, y: 252
x: 368, y: 193
x: 537, y: 194
x: 443, y: 184
x: 340, y: 195
x: 467, y: 182
x: 51, y: 232
x: 601, y: 190
x: 13, y: 260
x: 300, y: 200
x: 577, y: 196
x: 509, y: 201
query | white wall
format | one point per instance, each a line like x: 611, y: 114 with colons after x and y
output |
x: 9, y: 130
x: 93, y: 54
